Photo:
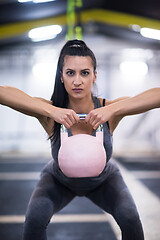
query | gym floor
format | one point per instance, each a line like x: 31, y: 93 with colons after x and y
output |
x: 80, y: 219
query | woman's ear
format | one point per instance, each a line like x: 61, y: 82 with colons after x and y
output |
x: 95, y: 76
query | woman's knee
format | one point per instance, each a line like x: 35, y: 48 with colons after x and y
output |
x: 39, y: 213
x: 127, y: 216
x: 130, y: 224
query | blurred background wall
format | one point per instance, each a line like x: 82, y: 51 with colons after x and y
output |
x: 128, y: 63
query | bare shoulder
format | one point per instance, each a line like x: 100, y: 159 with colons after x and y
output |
x: 113, y: 121
x: 46, y: 122
x: 109, y: 101
x: 106, y: 102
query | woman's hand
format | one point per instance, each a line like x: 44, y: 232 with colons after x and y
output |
x: 97, y: 116
x: 67, y: 117
x: 101, y: 115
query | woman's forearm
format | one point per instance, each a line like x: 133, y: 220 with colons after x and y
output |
x: 140, y: 103
x: 22, y: 102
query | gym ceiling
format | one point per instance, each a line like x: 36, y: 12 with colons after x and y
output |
x: 113, y: 18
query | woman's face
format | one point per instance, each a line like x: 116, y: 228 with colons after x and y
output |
x: 78, y: 76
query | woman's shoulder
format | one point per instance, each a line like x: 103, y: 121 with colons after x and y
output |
x: 106, y: 102
x: 46, y: 122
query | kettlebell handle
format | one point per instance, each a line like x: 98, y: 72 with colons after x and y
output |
x: 82, y: 117
x: 64, y: 132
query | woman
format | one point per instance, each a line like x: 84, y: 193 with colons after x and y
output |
x: 76, y: 73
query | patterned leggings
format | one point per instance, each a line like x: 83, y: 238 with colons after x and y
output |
x: 112, y: 196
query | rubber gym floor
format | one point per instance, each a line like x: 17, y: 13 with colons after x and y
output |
x: 80, y: 219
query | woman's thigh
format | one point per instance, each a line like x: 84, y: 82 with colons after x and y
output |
x: 49, y: 197
x: 113, y: 195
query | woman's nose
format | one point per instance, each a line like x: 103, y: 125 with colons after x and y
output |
x: 77, y: 80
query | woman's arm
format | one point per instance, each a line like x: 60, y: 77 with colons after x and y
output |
x: 22, y: 102
x: 115, y: 110
x: 40, y: 108
x: 140, y: 103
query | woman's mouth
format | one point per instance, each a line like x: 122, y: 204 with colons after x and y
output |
x: 77, y: 90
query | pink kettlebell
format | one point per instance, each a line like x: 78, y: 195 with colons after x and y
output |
x: 82, y: 155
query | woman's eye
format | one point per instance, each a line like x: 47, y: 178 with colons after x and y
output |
x: 85, y: 73
x: 70, y: 73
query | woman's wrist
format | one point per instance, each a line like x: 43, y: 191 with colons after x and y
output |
x: 117, y: 109
x: 43, y: 107
x: 50, y: 111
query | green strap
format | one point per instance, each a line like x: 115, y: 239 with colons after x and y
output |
x: 74, y: 29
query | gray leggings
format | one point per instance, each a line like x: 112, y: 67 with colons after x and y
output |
x: 112, y: 196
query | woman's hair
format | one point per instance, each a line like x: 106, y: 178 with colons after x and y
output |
x: 60, y: 96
